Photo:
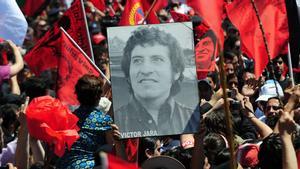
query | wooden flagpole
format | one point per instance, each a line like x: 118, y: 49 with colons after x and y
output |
x: 148, y: 12
x: 228, y: 116
x: 266, y: 44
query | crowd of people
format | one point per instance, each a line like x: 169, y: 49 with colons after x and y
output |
x: 264, y: 111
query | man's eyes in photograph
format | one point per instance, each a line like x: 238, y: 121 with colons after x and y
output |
x: 157, y: 59
x: 137, y: 60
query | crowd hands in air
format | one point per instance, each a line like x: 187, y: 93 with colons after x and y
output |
x: 265, y: 113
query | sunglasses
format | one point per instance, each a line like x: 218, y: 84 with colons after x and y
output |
x: 279, y: 62
x: 273, y: 107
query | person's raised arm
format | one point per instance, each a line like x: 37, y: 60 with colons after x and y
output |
x: 16, y: 67
x: 22, y: 150
x: 14, y: 85
x: 286, y: 127
x: 247, y: 108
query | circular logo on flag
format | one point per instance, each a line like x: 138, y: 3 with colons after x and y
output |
x: 136, y: 15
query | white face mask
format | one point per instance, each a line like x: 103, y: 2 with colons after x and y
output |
x: 104, y: 104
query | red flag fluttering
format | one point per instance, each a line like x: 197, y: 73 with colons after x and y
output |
x: 33, y: 7
x: 152, y: 16
x: 43, y: 55
x: 133, y: 13
x: 274, y: 20
x: 99, y: 4
x: 212, y: 12
x: 115, y: 162
x: 50, y: 121
x: 72, y: 65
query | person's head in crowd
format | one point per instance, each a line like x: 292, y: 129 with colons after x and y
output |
x: 8, y: 112
x: 271, y: 112
x: 181, y: 154
x: 101, y: 57
x: 273, y: 107
x: 35, y: 87
x: 279, y: 68
x: 153, y: 64
x: 230, y: 57
x: 88, y: 90
x: 247, y: 74
x: 233, y: 44
x: 229, y: 69
x: 54, y: 13
x: 232, y: 81
x: 216, y: 148
x: 41, y: 28
x: 270, y: 153
x: 11, y: 98
x: 214, y: 122
x: 94, y: 27
x: 229, y: 28
x: 148, y: 147
x: 213, y: 79
x: 163, y: 16
x: 205, y: 90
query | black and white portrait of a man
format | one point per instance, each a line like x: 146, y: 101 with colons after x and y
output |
x: 156, y: 69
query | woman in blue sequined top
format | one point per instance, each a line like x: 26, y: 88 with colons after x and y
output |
x: 92, y: 123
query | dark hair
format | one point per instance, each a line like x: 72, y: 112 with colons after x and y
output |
x: 214, y: 122
x: 88, y: 90
x: 229, y: 56
x: 8, y: 114
x: 35, y: 87
x: 270, y: 152
x: 215, y: 78
x: 229, y: 44
x: 143, y: 36
x: 214, y: 145
x: 146, y: 143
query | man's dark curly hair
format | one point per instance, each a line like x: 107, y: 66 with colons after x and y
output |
x: 151, y: 36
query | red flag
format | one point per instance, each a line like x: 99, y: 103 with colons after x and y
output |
x: 205, y: 53
x: 32, y: 7
x: 110, y: 161
x: 212, y: 13
x: 43, y: 55
x: 115, y: 162
x: 159, y: 4
x: 133, y: 13
x: 99, y: 4
x: 50, y: 121
x: 274, y: 20
x: 72, y: 65
x: 179, y: 17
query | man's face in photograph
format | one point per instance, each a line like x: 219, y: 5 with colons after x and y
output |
x: 150, y: 71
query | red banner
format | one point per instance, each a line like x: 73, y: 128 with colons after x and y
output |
x: 43, y: 55
x: 212, y: 12
x: 274, y: 20
x: 72, y: 65
x: 99, y: 4
x: 32, y: 7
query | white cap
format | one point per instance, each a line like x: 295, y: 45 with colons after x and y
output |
x: 268, y: 90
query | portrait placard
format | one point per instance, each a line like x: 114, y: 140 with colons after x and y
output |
x: 154, y: 82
